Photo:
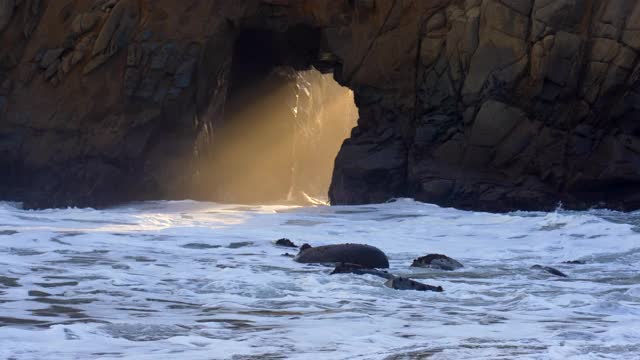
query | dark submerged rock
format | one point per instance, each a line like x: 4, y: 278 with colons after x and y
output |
x: 437, y: 261
x: 402, y: 283
x: 199, y: 246
x: 343, y: 268
x: 304, y: 247
x: 241, y: 244
x: 286, y: 243
x: 359, y: 254
x: 550, y: 270
x: 575, y: 262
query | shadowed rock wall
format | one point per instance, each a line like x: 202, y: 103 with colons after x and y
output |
x: 483, y: 104
x: 518, y: 105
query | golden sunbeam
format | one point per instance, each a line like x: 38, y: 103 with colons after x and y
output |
x: 279, y: 139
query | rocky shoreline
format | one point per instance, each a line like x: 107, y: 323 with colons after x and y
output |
x: 491, y: 105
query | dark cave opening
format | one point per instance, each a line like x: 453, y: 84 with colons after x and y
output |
x: 284, y: 121
x: 257, y: 51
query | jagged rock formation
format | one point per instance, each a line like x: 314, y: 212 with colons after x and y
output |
x: 518, y: 105
x: 484, y: 104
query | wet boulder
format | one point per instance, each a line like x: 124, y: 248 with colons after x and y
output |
x: 402, y: 283
x: 550, y: 270
x: 364, y: 255
x: 437, y: 261
x: 343, y: 268
x: 285, y: 243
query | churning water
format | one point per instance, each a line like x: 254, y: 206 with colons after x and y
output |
x: 190, y: 280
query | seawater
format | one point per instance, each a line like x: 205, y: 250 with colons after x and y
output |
x: 193, y: 280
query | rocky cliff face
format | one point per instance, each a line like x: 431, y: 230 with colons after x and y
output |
x: 484, y: 104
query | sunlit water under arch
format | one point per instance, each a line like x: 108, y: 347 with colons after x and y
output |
x: 190, y: 280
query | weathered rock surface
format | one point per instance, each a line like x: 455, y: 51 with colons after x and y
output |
x: 366, y: 256
x: 345, y: 268
x: 402, y: 283
x: 437, y: 261
x: 305, y: 247
x: 550, y: 270
x: 394, y: 282
x: 480, y: 104
x: 286, y: 243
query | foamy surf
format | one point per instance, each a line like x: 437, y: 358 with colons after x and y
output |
x: 192, y: 280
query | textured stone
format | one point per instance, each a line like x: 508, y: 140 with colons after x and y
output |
x: 402, y: 283
x: 437, y: 261
x: 6, y: 13
x: 119, y: 25
x: 31, y: 16
x: 492, y: 104
x: 364, y: 255
x: 84, y: 23
x: 50, y: 57
x: 52, y: 69
x: 604, y: 50
x: 494, y: 122
x: 184, y: 73
x: 161, y: 56
x: 368, y: 173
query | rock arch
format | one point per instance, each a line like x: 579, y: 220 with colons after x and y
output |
x: 482, y: 104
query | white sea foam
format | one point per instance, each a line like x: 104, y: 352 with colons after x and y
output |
x: 190, y: 280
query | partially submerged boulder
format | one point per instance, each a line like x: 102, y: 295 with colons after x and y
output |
x: 343, y: 268
x: 550, y: 270
x: 304, y: 247
x: 403, y: 283
x: 394, y: 282
x: 364, y: 255
x: 437, y: 261
x: 286, y: 243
